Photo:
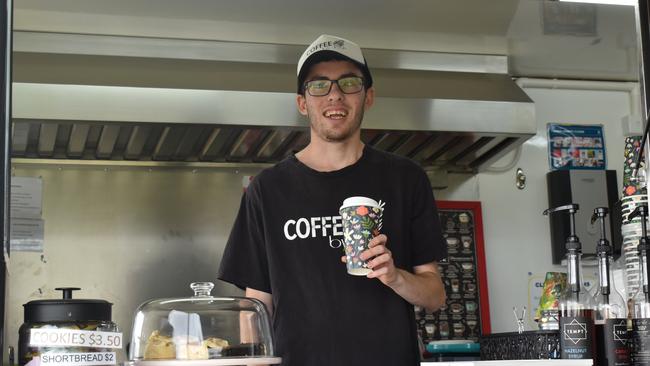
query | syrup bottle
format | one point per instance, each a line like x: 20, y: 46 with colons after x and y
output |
x: 611, y: 315
x: 576, y: 308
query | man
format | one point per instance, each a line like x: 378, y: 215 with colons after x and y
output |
x: 286, y: 250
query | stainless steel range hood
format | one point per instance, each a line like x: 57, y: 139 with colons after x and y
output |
x: 451, y: 112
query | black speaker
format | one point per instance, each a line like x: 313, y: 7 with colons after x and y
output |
x: 589, y: 189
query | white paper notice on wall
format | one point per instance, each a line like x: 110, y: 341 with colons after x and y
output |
x: 26, y: 197
x: 26, y: 235
x: 26, y: 232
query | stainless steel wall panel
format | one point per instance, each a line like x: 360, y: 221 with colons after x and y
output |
x: 128, y: 234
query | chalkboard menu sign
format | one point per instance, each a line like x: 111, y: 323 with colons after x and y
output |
x: 466, y: 313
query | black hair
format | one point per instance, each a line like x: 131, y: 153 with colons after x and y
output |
x: 324, y: 56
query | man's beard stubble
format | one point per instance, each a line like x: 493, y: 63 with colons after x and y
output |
x: 334, y: 137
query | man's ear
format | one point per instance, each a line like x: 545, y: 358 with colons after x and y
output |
x: 301, y: 102
x: 370, y: 97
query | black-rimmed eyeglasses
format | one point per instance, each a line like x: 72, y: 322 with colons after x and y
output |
x: 347, y: 85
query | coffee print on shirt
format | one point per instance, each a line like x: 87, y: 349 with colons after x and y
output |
x: 328, y: 227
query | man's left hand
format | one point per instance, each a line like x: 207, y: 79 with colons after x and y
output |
x: 382, y: 264
x: 422, y: 287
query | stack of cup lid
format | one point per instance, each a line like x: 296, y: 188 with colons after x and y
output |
x: 631, y: 232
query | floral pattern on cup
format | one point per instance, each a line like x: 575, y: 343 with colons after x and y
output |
x: 361, y: 223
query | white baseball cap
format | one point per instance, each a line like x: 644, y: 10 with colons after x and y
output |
x: 327, y: 47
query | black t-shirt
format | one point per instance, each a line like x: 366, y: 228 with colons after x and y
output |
x: 286, y: 241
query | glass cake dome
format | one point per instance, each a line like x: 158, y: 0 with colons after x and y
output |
x: 202, y: 330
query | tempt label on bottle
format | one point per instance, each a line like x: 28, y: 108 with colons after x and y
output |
x: 576, y: 338
x: 612, y: 343
x: 640, y: 345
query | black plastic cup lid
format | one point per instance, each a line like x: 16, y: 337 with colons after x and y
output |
x: 67, y: 309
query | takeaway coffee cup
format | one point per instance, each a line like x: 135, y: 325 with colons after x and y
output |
x: 361, y: 218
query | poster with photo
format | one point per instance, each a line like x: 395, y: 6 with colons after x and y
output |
x: 576, y: 147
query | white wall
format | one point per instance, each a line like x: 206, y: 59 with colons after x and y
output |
x: 517, y: 238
